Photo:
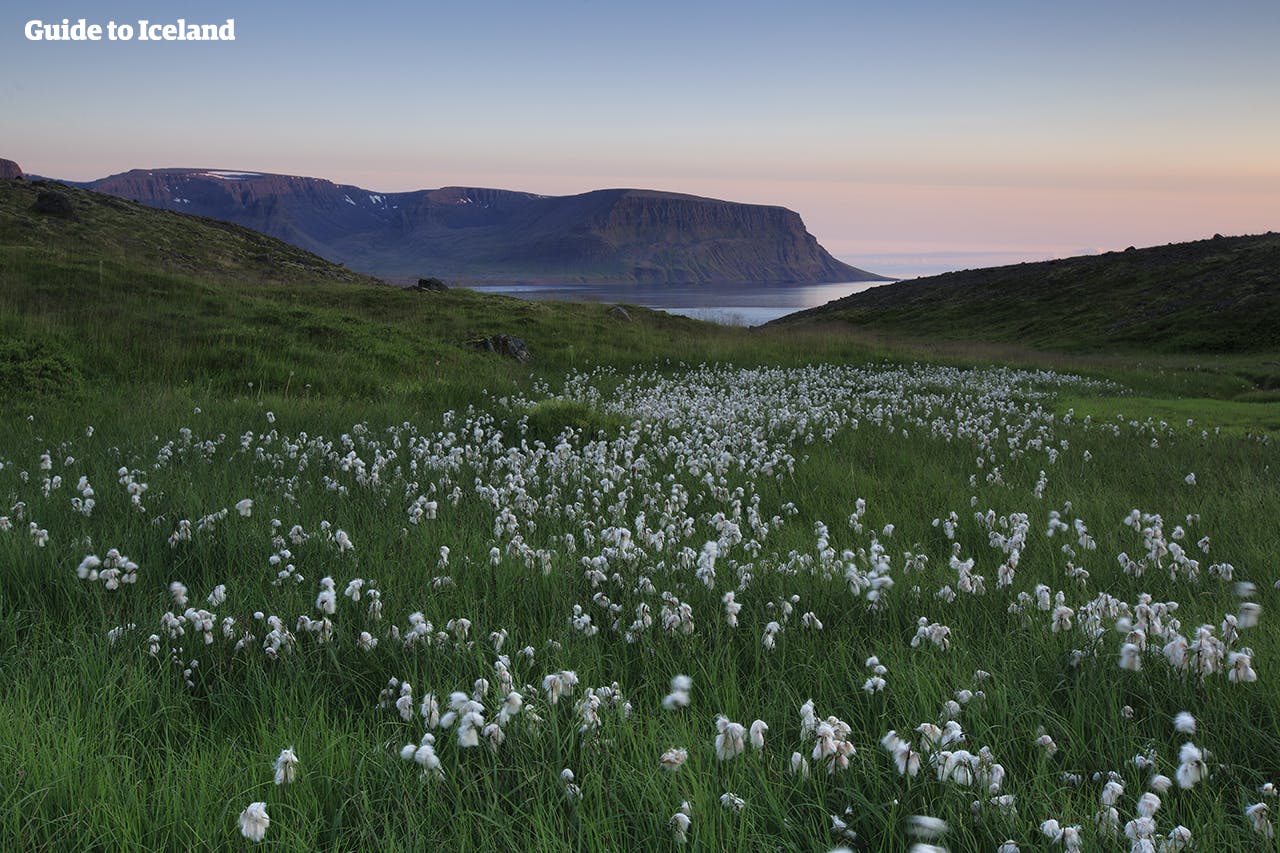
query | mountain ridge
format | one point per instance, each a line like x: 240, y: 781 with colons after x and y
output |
x: 484, y: 234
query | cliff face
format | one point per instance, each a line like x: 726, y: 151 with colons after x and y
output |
x: 469, y: 233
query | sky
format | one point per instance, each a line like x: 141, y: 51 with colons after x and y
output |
x: 908, y: 135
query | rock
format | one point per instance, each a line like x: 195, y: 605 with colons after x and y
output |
x: 505, y: 345
x: 617, y: 312
x: 9, y: 170
x: 431, y: 285
x: 51, y: 203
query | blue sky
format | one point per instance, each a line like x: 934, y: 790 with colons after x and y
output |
x: 1015, y: 129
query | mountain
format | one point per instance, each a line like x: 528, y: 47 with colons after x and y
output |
x: 1216, y: 295
x: 475, y: 234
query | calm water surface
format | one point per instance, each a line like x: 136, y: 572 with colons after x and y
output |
x: 737, y: 305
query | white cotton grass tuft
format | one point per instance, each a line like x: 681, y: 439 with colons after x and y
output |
x: 926, y: 827
x: 758, y: 729
x: 1260, y: 816
x: 1184, y: 723
x: 254, y: 821
x: 730, y: 738
x: 286, y: 767
x: 679, y: 695
x: 674, y: 758
x: 680, y: 823
x: 1191, y: 768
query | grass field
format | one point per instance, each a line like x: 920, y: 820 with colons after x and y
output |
x: 750, y: 589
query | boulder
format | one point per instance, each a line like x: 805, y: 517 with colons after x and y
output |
x: 50, y: 203
x: 9, y: 170
x: 504, y: 345
x: 430, y: 285
x: 617, y: 312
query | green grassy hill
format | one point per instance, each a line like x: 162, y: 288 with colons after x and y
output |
x: 120, y: 296
x: 1219, y: 295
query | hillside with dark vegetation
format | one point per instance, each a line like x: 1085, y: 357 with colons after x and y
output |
x: 1215, y: 295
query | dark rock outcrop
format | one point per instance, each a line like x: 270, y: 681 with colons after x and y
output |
x: 9, y: 170
x: 474, y: 234
x: 504, y: 345
x: 431, y: 285
x: 50, y: 203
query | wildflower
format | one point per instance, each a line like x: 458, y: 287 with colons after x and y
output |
x: 510, y: 707
x: 674, y: 758
x: 1184, y: 723
x: 1130, y: 657
x: 680, y: 823
x: 1191, y: 768
x: 327, y: 599
x: 1148, y: 804
x: 559, y: 684
x: 1259, y: 814
x: 245, y: 507
x: 286, y: 767
x: 254, y: 821
x: 1160, y: 783
x: 923, y: 826
x: 1239, y: 667
x: 730, y: 738
x: 732, y: 802
x: 1046, y: 743
x: 758, y: 728
x: 571, y: 790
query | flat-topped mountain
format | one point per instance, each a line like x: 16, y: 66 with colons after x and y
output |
x: 1217, y: 295
x: 475, y: 234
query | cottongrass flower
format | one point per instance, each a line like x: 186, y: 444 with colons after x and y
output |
x: 254, y: 822
x: 758, y: 729
x: 730, y: 740
x: 1148, y: 805
x: 1260, y: 816
x: 1191, y: 768
x: 1240, y: 667
x: 425, y: 756
x: 245, y: 507
x: 732, y: 802
x: 1046, y: 743
x: 680, y: 823
x: 924, y: 826
x: 571, y: 790
x: 679, y: 695
x: 1184, y: 723
x: 286, y: 767
x: 674, y: 758
x: 1179, y: 838
x: 1160, y: 783
x: 1067, y: 836
x: 559, y: 684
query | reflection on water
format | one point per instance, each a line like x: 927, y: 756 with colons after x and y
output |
x: 737, y: 304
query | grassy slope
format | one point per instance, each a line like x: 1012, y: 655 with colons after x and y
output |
x: 1220, y: 295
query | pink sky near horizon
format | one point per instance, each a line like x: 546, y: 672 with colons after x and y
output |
x: 1000, y: 129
